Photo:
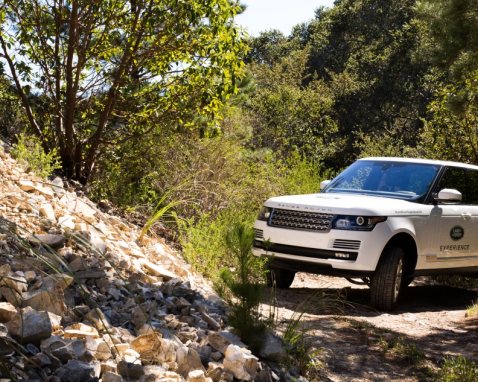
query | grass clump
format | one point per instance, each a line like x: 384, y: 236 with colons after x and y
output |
x: 472, y: 311
x: 459, y: 369
x: 29, y: 152
x: 404, y: 350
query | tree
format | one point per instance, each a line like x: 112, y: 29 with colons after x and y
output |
x: 452, y: 39
x: 452, y: 132
x: 365, y: 50
x: 94, y: 73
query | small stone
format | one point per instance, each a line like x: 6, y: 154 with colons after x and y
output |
x: 76, y: 371
x: 111, y: 377
x: 98, y: 348
x: 130, y: 370
x: 273, y: 348
x: 156, y: 270
x: 221, y: 340
x: 240, y: 362
x: 80, y: 330
x: 197, y: 376
x: 47, y: 211
x: 30, y: 326
x: 49, y: 240
x: 188, y: 359
x: 7, y: 311
x: 45, y: 300
x: 67, y: 221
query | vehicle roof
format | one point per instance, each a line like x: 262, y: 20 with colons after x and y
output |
x: 424, y: 161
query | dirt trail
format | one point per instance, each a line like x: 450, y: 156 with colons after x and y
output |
x: 429, y: 318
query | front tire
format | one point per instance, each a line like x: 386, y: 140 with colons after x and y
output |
x: 387, y: 280
x: 281, y: 278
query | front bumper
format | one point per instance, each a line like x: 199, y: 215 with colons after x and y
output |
x: 350, y: 251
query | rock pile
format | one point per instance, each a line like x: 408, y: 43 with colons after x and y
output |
x: 83, y: 300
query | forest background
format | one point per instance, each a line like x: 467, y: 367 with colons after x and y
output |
x: 166, y: 109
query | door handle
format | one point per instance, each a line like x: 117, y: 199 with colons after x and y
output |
x: 466, y: 215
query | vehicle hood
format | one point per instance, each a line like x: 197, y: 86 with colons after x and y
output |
x: 348, y: 204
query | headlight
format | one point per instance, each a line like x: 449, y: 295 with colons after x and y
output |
x: 265, y: 213
x: 356, y: 223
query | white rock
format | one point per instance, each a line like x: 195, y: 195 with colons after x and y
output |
x: 240, y: 362
x: 67, y: 221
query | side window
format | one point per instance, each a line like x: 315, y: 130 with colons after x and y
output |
x: 463, y: 180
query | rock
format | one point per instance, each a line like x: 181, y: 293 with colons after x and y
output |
x: 240, y: 362
x: 7, y: 311
x: 210, y: 321
x: 273, y: 348
x: 111, y: 377
x: 130, y: 370
x: 58, y: 186
x: 45, y: 300
x: 138, y: 317
x: 188, y: 359
x: 148, y: 346
x: 98, y: 319
x: 77, y: 371
x: 47, y: 211
x: 80, y: 330
x: 67, y: 221
x: 50, y: 240
x: 26, y: 185
x: 55, y: 320
x: 156, y: 270
x: 197, y: 376
x: 221, y: 340
x: 98, y: 348
x: 30, y: 326
x: 63, y: 349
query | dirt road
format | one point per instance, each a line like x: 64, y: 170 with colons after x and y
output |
x: 362, y: 344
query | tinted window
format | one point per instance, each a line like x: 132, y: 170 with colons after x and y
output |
x: 463, y: 180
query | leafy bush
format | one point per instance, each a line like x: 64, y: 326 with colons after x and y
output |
x: 29, y: 151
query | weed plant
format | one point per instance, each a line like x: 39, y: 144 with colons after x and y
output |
x: 459, y: 369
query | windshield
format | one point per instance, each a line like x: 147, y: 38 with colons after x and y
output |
x: 401, y: 180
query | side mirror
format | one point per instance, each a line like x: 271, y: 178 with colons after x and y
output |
x: 324, y: 184
x: 449, y: 195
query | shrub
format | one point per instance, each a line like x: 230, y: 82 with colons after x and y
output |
x: 242, y: 286
x: 29, y: 152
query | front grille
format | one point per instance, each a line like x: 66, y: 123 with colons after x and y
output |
x: 309, y: 221
x: 346, y: 244
x: 258, y: 233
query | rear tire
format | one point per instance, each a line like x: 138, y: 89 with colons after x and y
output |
x: 280, y: 278
x: 387, y: 280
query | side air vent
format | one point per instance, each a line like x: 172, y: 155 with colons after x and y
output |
x: 347, y: 244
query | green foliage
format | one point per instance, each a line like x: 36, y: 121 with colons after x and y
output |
x: 458, y: 369
x: 352, y: 72
x: 112, y: 71
x: 452, y: 132
x: 29, y: 151
x: 450, y: 40
x: 242, y: 286
x: 258, y: 176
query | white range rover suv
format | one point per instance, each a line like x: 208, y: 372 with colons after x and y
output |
x: 385, y: 220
